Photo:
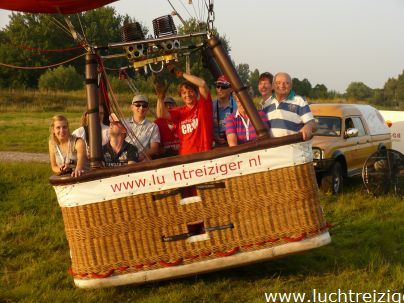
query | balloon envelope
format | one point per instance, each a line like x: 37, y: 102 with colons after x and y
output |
x: 52, y: 6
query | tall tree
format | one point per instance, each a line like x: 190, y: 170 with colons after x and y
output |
x: 390, y: 89
x: 302, y: 88
x: 40, y: 31
x: 358, y: 90
x: 400, y: 88
x: 319, y: 91
x: 378, y: 97
x: 243, y: 70
x: 254, y: 76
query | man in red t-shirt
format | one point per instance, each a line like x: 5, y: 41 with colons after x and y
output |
x: 193, y: 120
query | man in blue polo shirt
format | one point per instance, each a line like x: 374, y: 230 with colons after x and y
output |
x: 288, y: 113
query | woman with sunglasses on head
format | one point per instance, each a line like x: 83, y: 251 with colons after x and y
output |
x: 239, y: 129
x: 147, y: 135
x: 222, y: 107
x: 67, y: 153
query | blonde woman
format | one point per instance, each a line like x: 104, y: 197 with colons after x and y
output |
x: 67, y: 153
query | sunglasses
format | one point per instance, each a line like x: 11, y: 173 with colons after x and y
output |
x: 142, y: 105
x: 222, y: 86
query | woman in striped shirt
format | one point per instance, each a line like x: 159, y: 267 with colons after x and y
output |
x: 239, y: 129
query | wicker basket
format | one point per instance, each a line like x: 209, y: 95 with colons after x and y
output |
x: 189, y: 225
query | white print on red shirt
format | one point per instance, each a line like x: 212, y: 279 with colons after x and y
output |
x: 189, y: 125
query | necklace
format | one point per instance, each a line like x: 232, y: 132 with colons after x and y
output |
x: 66, y: 157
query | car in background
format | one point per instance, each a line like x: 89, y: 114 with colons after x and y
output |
x: 346, y: 135
x: 395, y: 120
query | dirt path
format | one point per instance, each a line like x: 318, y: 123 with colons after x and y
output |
x: 20, y: 156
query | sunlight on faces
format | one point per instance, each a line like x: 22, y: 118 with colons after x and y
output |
x: 264, y: 87
x: 169, y: 105
x: 140, y: 109
x: 117, y: 130
x: 239, y: 105
x: 188, y: 95
x: 60, y: 128
x: 282, y: 84
x: 223, y: 91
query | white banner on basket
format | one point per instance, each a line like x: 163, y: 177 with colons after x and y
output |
x: 183, y: 175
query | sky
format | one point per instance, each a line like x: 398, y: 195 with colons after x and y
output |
x: 330, y: 42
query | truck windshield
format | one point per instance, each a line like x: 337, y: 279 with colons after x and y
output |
x: 328, y: 126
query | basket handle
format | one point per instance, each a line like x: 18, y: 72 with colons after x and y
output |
x: 190, y: 234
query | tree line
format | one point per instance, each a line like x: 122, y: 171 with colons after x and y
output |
x: 25, y: 41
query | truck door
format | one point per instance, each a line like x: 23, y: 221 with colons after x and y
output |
x: 350, y: 147
x: 364, y: 146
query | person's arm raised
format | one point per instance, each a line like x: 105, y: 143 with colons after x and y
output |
x: 161, y: 110
x: 199, y: 82
x: 202, y: 86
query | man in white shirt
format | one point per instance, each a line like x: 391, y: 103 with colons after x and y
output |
x: 287, y: 112
x: 143, y: 134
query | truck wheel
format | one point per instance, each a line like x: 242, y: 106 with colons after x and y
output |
x: 333, y: 183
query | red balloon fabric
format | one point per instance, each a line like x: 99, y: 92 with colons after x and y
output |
x: 52, y: 6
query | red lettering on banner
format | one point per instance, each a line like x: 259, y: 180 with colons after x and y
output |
x: 216, y: 169
x: 257, y: 161
x: 128, y: 185
x: 199, y: 172
x: 208, y: 171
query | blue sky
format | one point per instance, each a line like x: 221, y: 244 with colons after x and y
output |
x: 334, y: 42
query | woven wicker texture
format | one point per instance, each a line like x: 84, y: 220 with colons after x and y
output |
x: 127, y: 232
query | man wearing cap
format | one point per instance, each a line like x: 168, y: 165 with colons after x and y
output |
x: 265, y: 87
x: 117, y: 151
x: 224, y: 106
x: 193, y: 120
x: 169, y: 141
x: 288, y: 113
x: 146, y: 134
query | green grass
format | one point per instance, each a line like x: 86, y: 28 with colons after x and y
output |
x: 366, y: 252
x: 25, y: 115
x: 29, y: 131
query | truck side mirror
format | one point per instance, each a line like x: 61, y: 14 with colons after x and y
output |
x: 351, y: 132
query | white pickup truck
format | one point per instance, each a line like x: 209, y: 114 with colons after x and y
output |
x: 395, y: 120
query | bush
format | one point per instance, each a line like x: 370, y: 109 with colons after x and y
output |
x: 61, y: 78
x: 119, y: 86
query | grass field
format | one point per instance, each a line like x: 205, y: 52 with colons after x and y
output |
x: 25, y: 117
x: 366, y: 253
